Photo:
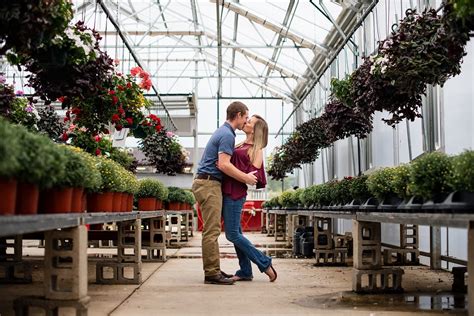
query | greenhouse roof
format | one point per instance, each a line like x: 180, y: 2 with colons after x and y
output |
x: 237, y: 49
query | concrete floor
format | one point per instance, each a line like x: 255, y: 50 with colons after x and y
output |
x: 176, y: 288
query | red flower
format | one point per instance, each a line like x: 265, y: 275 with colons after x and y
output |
x: 129, y: 120
x: 111, y: 92
x: 64, y: 137
x: 135, y: 71
x: 76, y: 111
x: 120, y: 87
x: 115, y: 118
x: 129, y: 85
x: 62, y: 99
x: 66, y: 119
x: 158, y: 128
x: 98, y: 152
x: 97, y: 138
x: 121, y: 111
x: 153, y: 117
x: 118, y: 127
x: 106, y: 131
x: 114, y: 100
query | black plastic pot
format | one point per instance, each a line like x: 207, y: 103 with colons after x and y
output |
x: 370, y: 205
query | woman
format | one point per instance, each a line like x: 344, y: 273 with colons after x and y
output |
x: 248, y: 157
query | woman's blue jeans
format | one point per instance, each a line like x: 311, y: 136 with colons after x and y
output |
x: 246, y: 252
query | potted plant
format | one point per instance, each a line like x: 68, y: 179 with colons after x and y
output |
x: 286, y: 199
x: 164, y: 152
x: 101, y: 200
x: 92, y: 176
x: 306, y: 197
x: 429, y: 177
x: 189, y: 200
x: 42, y: 166
x: 9, y: 165
x: 175, y: 198
x: 380, y: 185
x: 148, y: 190
x: 161, y: 196
x: 462, y: 181
x: 49, y: 123
x: 359, y: 191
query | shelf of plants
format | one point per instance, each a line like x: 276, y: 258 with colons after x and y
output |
x: 17, y: 225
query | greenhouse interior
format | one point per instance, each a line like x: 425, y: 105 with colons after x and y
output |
x: 151, y: 151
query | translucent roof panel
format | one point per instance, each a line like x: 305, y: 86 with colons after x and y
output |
x: 266, y: 47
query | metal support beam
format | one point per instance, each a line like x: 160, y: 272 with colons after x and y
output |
x: 275, y: 27
x: 125, y: 41
x: 435, y: 247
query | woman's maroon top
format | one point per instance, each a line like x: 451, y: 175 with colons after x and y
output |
x: 241, y: 160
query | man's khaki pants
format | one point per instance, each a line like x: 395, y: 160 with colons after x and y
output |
x: 208, y: 194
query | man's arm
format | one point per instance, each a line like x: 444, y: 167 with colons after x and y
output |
x: 229, y: 169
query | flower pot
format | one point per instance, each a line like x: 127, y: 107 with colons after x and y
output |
x: 100, y: 202
x: 56, y: 200
x: 159, y: 204
x: 174, y: 206
x: 84, y: 202
x: 27, y: 198
x: 8, y: 189
x: 124, y: 203
x: 117, y: 202
x: 146, y: 204
x: 130, y: 203
x: 76, y: 203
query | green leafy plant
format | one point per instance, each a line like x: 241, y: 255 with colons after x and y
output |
x: 7, y: 95
x: 189, y: 197
x: 286, y: 198
x: 110, y: 173
x: 462, y: 177
x: 49, y: 123
x: 358, y: 189
x: 24, y: 113
x: 306, y: 197
x: 123, y: 158
x: 27, y: 25
x: 341, y: 191
x: 430, y: 174
x: 380, y: 183
x: 176, y: 195
x: 41, y: 161
x: 164, y: 152
x: 149, y: 188
x: 9, y: 149
x: 401, y: 181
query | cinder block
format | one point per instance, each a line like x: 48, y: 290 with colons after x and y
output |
x: 15, y: 272
x: 50, y: 307
x: 65, y: 271
x: 366, y: 233
x: 323, y: 231
x: 377, y: 281
x: 129, y: 241
x: 118, y: 273
x: 155, y: 254
x: 400, y: 257
x: 367, y: 257
x: 11, y: 249
x: 330, y: 257
x: 280, y: 227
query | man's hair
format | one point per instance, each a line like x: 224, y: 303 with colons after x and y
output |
x: 235, y: 108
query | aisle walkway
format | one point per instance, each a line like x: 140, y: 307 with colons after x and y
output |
x: 177, y: 288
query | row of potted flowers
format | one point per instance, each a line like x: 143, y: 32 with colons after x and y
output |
x: 153, y: 195
x: 434, y: 181
x: 37, y: 175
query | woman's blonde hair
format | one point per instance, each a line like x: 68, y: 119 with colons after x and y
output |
x: 260, y: 137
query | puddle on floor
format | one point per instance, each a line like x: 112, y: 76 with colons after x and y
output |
x: 453, y: 303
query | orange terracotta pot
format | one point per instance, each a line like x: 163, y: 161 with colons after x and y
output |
x: 117, y: 202
x: 27, y: 198
x: 56, y: 200
x: 146, y: 204
x: 174, y: 206
x: 76, y: 203
x: 130, y: 203
x: 84, y: 202
x: 159, y: 204
x: 100, y: 202
x: 8, y: 189
x: 124, y: 203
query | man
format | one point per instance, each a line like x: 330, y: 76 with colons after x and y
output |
x: 207, y: 188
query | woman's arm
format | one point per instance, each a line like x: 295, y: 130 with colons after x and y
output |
x: 258, y: 159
